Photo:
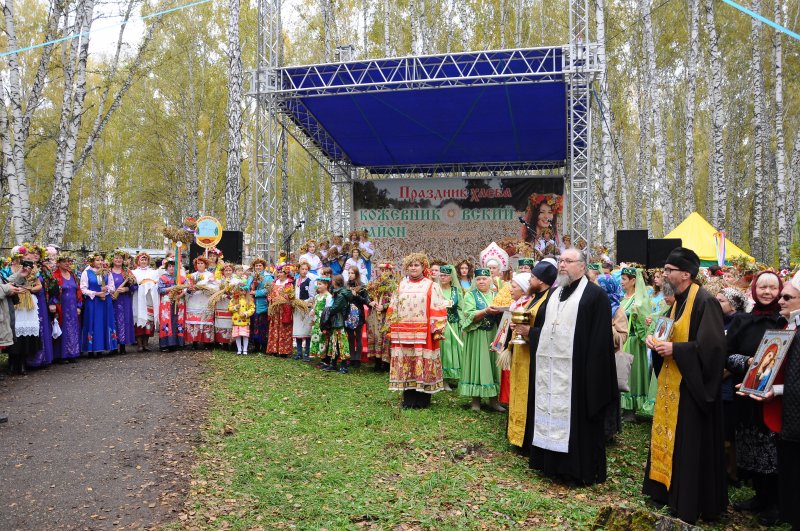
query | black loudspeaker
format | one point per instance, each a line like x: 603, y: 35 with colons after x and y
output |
x: 632, y: 246
x: 231, y: 245
x: 658, y: 250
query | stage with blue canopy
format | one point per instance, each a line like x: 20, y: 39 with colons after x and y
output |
x: 449, y: 112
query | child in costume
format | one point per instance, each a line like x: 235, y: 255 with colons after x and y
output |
x: 241, y: 308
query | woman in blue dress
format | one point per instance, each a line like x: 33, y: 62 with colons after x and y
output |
x: 122, y: 299
x: 68, y: 346
x: 99, y: 330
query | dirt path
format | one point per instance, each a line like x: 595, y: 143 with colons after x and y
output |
x: 100, y: 444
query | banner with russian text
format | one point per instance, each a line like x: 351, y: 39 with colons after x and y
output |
x: 455, y: 218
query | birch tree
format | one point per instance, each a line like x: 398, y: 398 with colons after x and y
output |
x: 691, y: 94
x: 54, y: 221
x: 235, y: 82
x: 717, y: 160
x: 610, y: 210
x: 659, y: 143
x: 759, y: 134
x: 780, y: 141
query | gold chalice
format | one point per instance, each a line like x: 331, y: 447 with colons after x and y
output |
x: 520, y: 318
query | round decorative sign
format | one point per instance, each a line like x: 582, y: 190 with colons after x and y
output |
x: 209, y: 232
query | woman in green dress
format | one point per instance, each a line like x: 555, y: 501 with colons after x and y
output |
x: 453, y: 346
x: 480, y: 376
x: 637, y: 306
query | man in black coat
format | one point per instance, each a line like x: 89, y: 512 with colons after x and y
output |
x: 573, y: 377
x: 686, y: 467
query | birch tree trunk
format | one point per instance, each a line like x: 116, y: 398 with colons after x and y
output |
x: 18, y: 181
x: 19, y: 216
x: 642, y: 196
x: 503, y: 24
x: 610, y: 210
x: 691, y: 95
x: 365, y: 27
x: 659, y: 145
x: 760, y: 140
x: 717, y: 174
x: 387, y: 48
x: 780, y: 143
x: 518, y: 24
x: 233, y: 171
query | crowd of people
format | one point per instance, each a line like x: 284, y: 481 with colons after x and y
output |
x: 545, y: 340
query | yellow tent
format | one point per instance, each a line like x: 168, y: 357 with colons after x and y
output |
x: 697, y: 234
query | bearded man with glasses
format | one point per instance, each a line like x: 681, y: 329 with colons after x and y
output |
x: 686, y: 465
x: 573, y: 378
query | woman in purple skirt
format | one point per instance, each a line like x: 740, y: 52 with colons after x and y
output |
x: 46, y: 298
x: 125, y: 284
x: 68, y: 346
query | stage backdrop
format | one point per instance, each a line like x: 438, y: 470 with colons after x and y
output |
x: 455, y: 218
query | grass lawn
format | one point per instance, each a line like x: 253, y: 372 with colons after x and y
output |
x: 289, y: 446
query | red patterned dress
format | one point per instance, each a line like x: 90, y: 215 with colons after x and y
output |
x: 417, y: 311
x: 280, y: 319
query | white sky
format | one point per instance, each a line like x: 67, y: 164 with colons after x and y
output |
x: 105, y: 42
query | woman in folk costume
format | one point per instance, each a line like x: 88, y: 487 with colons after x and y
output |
x: 241, y: 307
x: 355, y: 327
x: 335, y: 261
x: 380, y: 290
x: 311, y: 258
x: 223, y: 319
x: 46, y: 298
x: 280, y: 313
x: 418, y: 317
x: 637, y: 307
x: 145, y: 301
x: 480, y: 376
x: 495, y: 259
x: 302, y: 319
x: 258, y: 285
x: 215, y: 263
x: 452, y: 349
x: 122, y: 299
x: 68, y: 309
x: 367, y: 253
x: 199, y: 317
x: 171, y: 308
x: 465, y: 271
x: 99, y: 330
x: 22, y: 273
x: 320, y: 301
x: 356, y: 260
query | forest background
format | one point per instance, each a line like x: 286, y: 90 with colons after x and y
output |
x: 699, y: 105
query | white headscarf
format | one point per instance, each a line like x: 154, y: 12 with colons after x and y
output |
x: 523, y: 280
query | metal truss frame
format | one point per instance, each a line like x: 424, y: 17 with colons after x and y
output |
x: 492, y: 67
x: 581, y: 64
x: 269, y: 133
x: 278, y: 91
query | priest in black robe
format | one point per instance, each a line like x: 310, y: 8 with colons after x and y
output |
x: 686, y: 465
x: 570, y: 445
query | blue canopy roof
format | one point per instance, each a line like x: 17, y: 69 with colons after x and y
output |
x: 458, y: 111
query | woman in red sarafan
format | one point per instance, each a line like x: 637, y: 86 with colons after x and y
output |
x: 417, y: 316
x: 280, y: 313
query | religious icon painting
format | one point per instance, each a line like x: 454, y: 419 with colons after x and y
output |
x: 663, y: 328
x: 767, y: 361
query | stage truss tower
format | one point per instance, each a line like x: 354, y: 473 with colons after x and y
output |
x: 272, y: 88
